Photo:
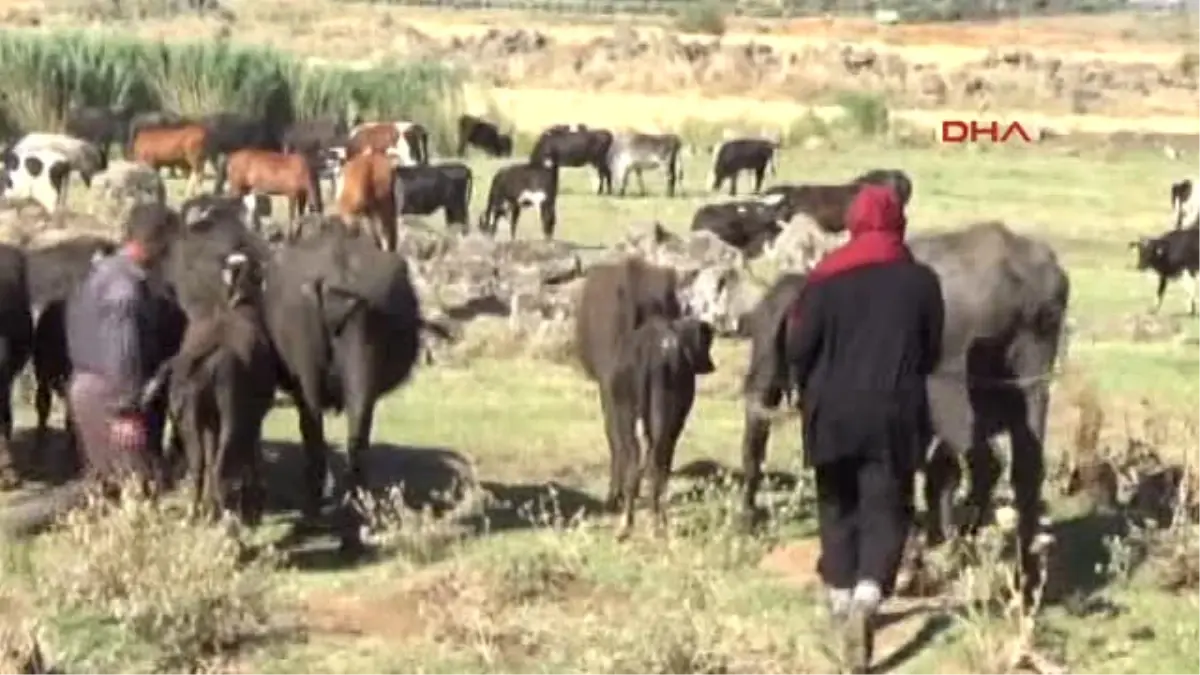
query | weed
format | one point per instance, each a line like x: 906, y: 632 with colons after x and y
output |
x: 706, y: 17
x: 866, y: 113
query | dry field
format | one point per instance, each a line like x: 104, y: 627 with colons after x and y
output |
x: 524, y: 579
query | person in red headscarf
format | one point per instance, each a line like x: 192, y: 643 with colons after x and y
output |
x: 860, y: 341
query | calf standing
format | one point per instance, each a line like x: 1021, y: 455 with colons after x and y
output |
x: 1170, y: 255
x: 654, y: 384
x: 742, y: 154
x: 522, y: 185
x: 425, y: 189
x: 483, y: 135
x: 267, y: 172
x: 638, y: 152
x: 221, y: 386
x: 575, y: 147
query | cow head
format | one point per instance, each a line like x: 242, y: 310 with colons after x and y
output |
x: 243, y: 279
x: 1151, y: 252
x: 694, y: 338
x: 504, y: 145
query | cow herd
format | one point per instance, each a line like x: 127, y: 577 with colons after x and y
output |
x: 331, y: 317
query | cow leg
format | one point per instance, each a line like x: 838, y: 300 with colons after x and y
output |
x: 1162, y: 289
x: 666, y: 425
x: 1193, y: 292
x: 984, y: 468
x: 942, y: 478
x: 756, y: 432
x: 1033, y: 356
x: 513, y: 216
x: 616, y: 463
x: 733, y: 183
x: 312, y: 433
x: 42, y: 401
x: 633, y: 459
x: 8, y: 475
x: 759, y: 173
x: 548, y: 220
x: 641, y: 181
x: 624, y: 174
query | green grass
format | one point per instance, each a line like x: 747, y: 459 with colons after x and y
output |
x: 701, y: 602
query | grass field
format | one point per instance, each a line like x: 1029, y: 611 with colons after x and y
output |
x: 547, y: 592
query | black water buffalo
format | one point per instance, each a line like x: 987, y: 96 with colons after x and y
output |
x: 101, y: 126
x: 16, y: 337
x: 576, y: 146
x: 732, y: 157
x: 827, y: 204
x: 310, y: 137
x: 220, y: 386
x: 423, y: 189
x: 616, y: 300
x: 747, y: 225
x: 53, y: 274
x: 518, y: 186
x: 654, y: 384
x: 345, y: 323
x: 1006, y: 303
x: 482, y: 134
x: 1169, y: 255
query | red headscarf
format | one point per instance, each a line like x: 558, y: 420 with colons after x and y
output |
x: 876, y: 223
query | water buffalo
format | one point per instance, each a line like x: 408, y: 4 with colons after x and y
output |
x: 345, y: 323
x: 1006, y: 303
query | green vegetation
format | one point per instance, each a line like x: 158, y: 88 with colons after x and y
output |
x: 45, y: 73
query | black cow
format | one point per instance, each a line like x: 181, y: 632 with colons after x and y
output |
x: 654, y: 383
x: 423, y: 189
x: 1006, y: 303
x: 54, y: 272
x: 574, y: 147
x: 746, y: 225
x: 1169, y: 255
x: 312, y: 137
x: 484, y: 135
x: 827, y: 204
x: 616, y: 300
x: 16, y: 337
x: 522, y: 185
x: 100, y: 126
x: 345, y: 323
x: 221, y: 385
x: 732, y: 157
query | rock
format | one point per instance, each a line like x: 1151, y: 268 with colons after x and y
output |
x: 122, y: 186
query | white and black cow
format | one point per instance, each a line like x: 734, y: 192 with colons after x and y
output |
x: 576, y: 146
x: 482, y: 134
x: 1169, y: 255
x: 746, y: 225
x: 1185, y: 204
x: 407, y: 142
x: 639, y: 152
x: 517, y: 186
x: 39, y: 174
x: 421, y: 190
x: 734, y: 156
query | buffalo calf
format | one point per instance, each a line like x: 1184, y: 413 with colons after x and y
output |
x: 654, y: 386
x: 221, y: 385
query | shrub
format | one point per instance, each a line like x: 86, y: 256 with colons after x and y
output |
x: 157, y: 578
x: 866, y: 113
x: 706, y: 17
x: 46, y: 72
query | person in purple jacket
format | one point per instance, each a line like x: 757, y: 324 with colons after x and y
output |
x: 113, y: 341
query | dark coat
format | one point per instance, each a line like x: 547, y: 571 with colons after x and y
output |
x: 864, y: 343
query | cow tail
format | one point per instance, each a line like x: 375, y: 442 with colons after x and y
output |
x: 469, y: 194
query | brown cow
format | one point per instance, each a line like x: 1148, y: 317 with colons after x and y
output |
x: 275, y: 173
x: 407, y: 142
x: 365, y: 191
x: 181, y: 146
x: 616, y: 299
